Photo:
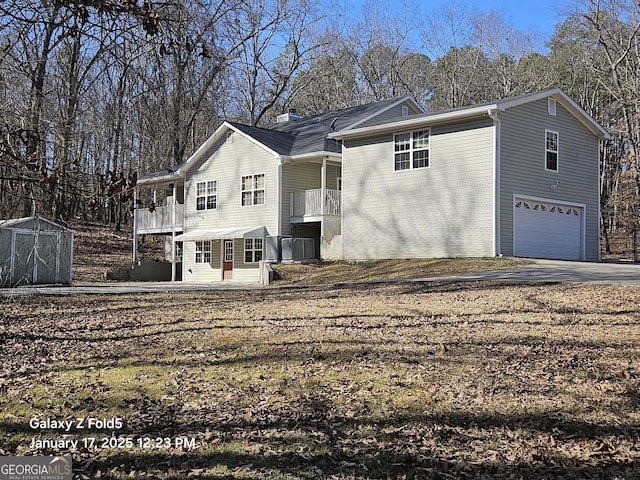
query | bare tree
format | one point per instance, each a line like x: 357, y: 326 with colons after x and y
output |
x: 281, y: 39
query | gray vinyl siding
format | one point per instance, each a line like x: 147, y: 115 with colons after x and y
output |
x: 522, y: 167
x: 445, y: 210
x: 393, y: 114
x: 227, y: 162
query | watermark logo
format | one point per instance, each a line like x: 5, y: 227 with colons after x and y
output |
x: 36, y: 468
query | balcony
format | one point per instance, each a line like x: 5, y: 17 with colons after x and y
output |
x: 160, y: 220
x: 309, y: 205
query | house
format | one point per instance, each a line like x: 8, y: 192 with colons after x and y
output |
x: 515, y: 177
x: 34, y: 250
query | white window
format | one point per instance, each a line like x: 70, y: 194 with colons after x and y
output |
x: 252, y: 250
x: 203, y: 252
x: 551, y: 104
x: 411, y: 150
x: 551, y: 151
x: 253, y: 190
x: 207, y: 195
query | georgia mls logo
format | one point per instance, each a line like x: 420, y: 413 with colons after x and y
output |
x: 35, y: 468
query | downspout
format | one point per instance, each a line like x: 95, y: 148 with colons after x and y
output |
x: 493, y: 114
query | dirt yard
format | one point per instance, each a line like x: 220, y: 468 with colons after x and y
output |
x: 410, y: 381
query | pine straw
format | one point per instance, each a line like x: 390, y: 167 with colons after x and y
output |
x: 433, y: 380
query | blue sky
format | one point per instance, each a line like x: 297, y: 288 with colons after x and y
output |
x: 540, y: 16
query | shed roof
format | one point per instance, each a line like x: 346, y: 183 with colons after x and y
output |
x: 16, y: 223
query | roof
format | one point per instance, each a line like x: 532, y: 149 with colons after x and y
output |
x: 221, y: 233
x: 306, y: 135
x: 321, y: 134
x: 302, y: 136
x: 478, y: 110
x: 15, y: 223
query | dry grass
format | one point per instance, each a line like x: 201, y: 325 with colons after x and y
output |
x: 337, y: 272
x: 98, y: 248
x: 425, y: 380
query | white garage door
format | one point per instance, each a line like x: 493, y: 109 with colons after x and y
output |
x: 547, y: 230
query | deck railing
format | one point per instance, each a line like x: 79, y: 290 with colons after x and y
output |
x: 160, y: 219
x: 309, y: 203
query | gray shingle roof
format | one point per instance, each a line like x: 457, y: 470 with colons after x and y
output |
x: 309, y: 134
x: 299, y: 136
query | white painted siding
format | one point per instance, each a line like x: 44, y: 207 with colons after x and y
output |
x: 227, y: 162
x: 445, y: 210
x: 523, y: 167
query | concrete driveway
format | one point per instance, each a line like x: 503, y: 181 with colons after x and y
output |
x: 538, y: 271
x: 571, y: 272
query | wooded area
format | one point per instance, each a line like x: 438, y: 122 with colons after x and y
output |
x: 96, y: 92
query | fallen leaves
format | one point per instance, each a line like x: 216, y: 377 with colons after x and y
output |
x: 405, y: 381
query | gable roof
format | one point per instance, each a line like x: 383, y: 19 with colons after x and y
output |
x: 307, y: 135
x: 17, y: 223
x: 478, y: 110
x: 302, y: 136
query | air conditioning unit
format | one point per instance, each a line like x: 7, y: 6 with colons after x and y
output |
x: 297, y: 249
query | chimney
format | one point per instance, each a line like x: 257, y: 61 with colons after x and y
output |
x: 286, y: 117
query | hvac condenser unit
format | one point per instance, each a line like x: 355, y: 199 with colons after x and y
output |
x: 297, y: 249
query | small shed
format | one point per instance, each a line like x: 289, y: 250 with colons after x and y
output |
x: 35, y: 250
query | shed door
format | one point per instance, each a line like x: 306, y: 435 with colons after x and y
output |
x: 547, y: 230
x: 227, y: 260
x: 47, y: 258
x: 24, y: 258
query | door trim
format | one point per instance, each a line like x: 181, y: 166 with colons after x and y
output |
x: 227, y: 265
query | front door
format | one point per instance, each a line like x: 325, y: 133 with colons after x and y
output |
x: 227, y: 260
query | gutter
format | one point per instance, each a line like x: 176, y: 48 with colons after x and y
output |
x: 420, y: 121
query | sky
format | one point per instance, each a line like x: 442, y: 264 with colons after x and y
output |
x: 541, y: 16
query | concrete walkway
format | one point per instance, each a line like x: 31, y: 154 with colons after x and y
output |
x: 538, y: 271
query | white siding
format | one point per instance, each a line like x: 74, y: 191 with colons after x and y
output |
x: 522, y: 167
x: 227, y: 162
x: 445, y: 210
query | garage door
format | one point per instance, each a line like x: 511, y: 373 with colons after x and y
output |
x: 547, y: 230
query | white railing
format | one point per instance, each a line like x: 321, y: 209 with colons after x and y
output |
x: 161, y: 219
x: 309, y: 203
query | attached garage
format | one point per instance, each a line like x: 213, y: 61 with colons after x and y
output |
x: 35, y: 250
x: 548, y: 229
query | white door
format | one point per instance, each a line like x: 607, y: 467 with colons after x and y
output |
x: 543, y: 229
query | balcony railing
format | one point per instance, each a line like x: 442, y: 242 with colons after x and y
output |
x: 309, y: 203
x: 160, y: 220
